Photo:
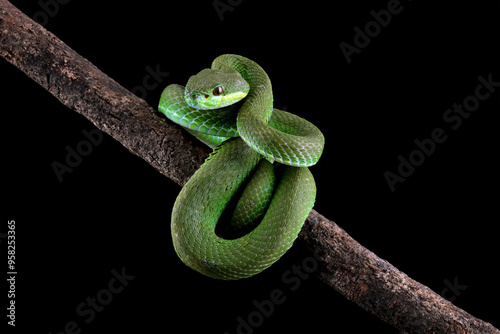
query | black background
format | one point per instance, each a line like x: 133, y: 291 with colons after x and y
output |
x: 112, y: 211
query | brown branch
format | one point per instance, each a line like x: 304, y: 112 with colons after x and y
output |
x: 344, y: 264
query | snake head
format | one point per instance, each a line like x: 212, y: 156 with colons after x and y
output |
x: 213, y: 89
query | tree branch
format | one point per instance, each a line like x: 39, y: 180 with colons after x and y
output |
x: 345, y: 265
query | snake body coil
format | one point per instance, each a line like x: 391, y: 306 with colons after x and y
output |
x: 234, y: 99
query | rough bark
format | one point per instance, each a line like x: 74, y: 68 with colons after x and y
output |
x: 345, y: 265
x: 81, y: 86
x: 379, y: 287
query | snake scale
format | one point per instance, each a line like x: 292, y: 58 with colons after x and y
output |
x: 230, y: 108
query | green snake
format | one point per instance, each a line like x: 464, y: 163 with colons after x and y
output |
x: 230, y: 108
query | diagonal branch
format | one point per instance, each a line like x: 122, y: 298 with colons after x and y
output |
x: 344, y: 264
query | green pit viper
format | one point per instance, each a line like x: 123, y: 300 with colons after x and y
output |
x: 230, y: 108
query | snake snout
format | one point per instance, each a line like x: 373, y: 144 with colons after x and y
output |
x: 194, y: 99
x: 191, y: 96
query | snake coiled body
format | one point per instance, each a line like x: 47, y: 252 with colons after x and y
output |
x: 230, y: 108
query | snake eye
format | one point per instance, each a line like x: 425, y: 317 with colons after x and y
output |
x: 217, y: 91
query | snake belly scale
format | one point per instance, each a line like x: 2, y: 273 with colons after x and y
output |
x: 230, y: 108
